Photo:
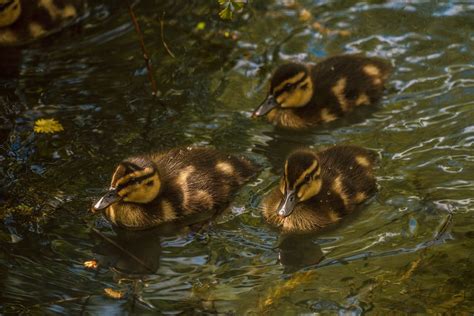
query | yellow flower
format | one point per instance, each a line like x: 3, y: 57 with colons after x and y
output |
x: 201, y: 26
x: 48, y: 126
x: 113, y: 293
x: 91, y: 264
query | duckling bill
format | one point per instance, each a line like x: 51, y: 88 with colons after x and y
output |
x: 302, y: 96
x: 147, y: 191
x: 319, y: 188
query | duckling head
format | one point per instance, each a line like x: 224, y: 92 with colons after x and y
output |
x: 300, y: 182
x: 134, y: 181
x: 290, y: 87
x: 9, y: 12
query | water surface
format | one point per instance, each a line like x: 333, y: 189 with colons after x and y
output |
x: 399, y: 253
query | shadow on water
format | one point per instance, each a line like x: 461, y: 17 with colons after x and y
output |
x: 128, y: 254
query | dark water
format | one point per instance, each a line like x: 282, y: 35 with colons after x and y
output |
x: 403, y: 252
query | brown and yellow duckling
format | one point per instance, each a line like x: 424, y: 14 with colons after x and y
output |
x: 319, y: 188
x: 22, y: 21
x: 147, y: 191
x: 302, y: 96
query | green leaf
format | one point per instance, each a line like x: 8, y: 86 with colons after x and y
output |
x: 230, y: 6
x: 226, y: 14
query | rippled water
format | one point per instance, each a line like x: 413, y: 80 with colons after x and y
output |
x: 403, y: 252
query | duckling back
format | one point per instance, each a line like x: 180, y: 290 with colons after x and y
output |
x: 27, y: 20
x: 199, y: 178
x: 345, y: 82
x: 348, y: 176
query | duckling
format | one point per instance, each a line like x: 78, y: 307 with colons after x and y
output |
x: 319, y: 188
x: 149, y: 190
x: 22, y: 21
x: 302, y: 96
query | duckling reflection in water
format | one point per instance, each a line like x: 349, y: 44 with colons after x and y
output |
x: 150, y: 190
x: 127, y: 253
x: 22, y: 21
x: 296, y: 251
x: 303, y: 96
x: 319, y: 188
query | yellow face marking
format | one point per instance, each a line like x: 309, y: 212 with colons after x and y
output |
x: 338, y: 91
x: 338, y: 187
x: 225, y: 167
x: 142, y: 192
x: 36, y: 30
x: 10, y: 14
x: 115, y: 177
x: 309, y: 190
x: 168, y: 213
x: 310, y: 169
x: 135, y: 174
x: 282, y: 186
x: 292, y: 80
x: 326, y: 116
x: 68, y: 12
x: 297, y: 97
x: 363, y: 161
x: 362, y: 99
x: 360, y: 197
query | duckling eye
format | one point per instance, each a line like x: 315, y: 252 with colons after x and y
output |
x: 307, y: 178
x: 150, y: 183
x: 288, y: 86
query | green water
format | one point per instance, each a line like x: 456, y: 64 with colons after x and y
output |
x: 399, y: 253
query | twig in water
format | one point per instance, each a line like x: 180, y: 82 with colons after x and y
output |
x: 123, y: 249
x: 146, y: 57
x: 63, y: 300
x: 162, y: 23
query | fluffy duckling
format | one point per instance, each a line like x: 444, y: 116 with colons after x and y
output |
x: 302, y: 96
x: 318, y: 189
x: 147, y: 191
x: 22, y: 21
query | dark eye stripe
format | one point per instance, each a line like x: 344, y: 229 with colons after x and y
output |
x: 134, y: 180
x: 312, y: 174
x: 284, y: 89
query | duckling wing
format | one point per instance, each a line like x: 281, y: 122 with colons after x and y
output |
x: 202, y: 179
x: 346, y: 81
x: 347, y: 171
